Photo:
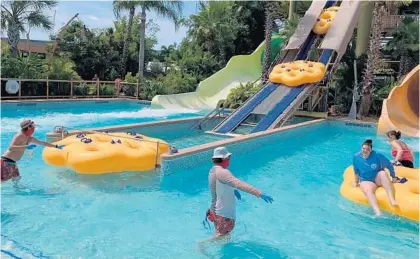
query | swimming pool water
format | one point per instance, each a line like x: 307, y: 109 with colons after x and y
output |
x: 85, y: 114
x: 59, y: 214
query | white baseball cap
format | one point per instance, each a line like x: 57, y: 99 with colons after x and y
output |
x: 221, y: 152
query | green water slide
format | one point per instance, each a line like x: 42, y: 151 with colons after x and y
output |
x: 239, y: 69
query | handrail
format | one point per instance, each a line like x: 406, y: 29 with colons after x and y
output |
x: 50, y: 84
x: 62, y: 81
x: 219, y: 109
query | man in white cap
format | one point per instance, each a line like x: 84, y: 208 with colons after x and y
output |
x: 223, y: 187
x: 14, y: 153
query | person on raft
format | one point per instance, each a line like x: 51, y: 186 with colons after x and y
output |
x: 370, y: 174
x: 14, y: 153
x: 401, y: 152
x: 223, y: 187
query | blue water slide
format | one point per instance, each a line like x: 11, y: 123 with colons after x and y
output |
x: 239, y: 116
x: 281, y: 106
x: 243, y: 112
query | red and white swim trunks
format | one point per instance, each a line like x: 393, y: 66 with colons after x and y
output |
x: 223, y: 225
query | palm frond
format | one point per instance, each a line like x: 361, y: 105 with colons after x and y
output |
x: 38, y: 19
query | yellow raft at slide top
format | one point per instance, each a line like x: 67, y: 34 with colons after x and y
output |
x: 102, y: 153
x: 406, y: 194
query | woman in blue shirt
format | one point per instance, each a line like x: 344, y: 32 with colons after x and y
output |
x: 370, y: 174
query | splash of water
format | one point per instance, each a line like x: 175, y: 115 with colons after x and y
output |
x: 49, y: 120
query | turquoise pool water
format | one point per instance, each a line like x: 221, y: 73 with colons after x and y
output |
x: 57, y: 214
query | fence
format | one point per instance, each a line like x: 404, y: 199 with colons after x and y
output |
x: 48, y: 88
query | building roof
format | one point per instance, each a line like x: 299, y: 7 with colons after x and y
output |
x: 36, y: 46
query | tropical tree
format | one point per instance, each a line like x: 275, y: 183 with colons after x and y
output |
x: 17, y: 16
x: 405, y: 45
x: 365, y: 21
x: 167, y: 53
x: 120, y: 6
x: 215, y: 28
x: 168, y: 9
x: 270, y: 8
x: 373, y: 56
x: 252, y: 17
x: 285, y: 9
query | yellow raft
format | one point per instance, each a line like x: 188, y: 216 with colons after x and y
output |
x: 325, y: 20
x: 297, y: 73
x: 102, y: 153
x: 406, y: 194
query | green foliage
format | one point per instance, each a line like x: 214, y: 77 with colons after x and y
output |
x: 34, y: 67
x: 381, y: 92
x: 343, y: 80
x: 61, y: 68
x: 106, y: 89
x: 156, y: 68
x: 252, y: 16
x: 240, y: 94
x: 130, y: 78
x: 82, y: 89
x: 289, y: 28
x: 215, y: 28
x: 99, y: 51
x: 301, y: 8
x: 25, y: 67
x: 276, y: 46
x: 404, y: 45
x: 151, y: 89
x: 176, y: 82
x: 17, y: 16
x: 197, y: 62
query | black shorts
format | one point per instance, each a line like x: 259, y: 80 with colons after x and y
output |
x: 406, y: 163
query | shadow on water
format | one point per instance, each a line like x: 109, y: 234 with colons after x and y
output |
x: 248, y: 250
x: 6, y: 217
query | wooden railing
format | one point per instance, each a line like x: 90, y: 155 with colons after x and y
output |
x: 48, y: 86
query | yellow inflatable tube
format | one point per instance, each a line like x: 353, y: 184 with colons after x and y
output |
x: 297, y: 73
x: 102, y: 153
x: 406, y: 194
x: 325, y: 20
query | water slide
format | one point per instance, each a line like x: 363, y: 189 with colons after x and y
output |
x: 275, y: 101
x: 239, y: 69
x: 400, y: 111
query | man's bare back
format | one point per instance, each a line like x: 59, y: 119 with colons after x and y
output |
x: 17, y: 147
x: 14, y: 153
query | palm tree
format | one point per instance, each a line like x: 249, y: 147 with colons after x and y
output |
x: 381, y: 10
x: 365, y: 22
x: 214, y: 29
x: 168, y: 9
x: 17, y: 15
x: 373, y: 56
x: 167, y: 53
x: 405, y: 45
x: 270, y: 8
x: 120, y: 6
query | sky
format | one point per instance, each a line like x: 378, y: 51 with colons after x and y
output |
x: 99, y: 14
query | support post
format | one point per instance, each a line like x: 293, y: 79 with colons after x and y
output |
x: 48, y: 88
x: 71, y: 87
x: 353, y: 109
x: 97, y: 88
x: 20, y: 87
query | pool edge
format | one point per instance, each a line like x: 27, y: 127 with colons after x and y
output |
x: 230, y: 141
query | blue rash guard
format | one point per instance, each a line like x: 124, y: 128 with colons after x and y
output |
x: 367, y: 169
